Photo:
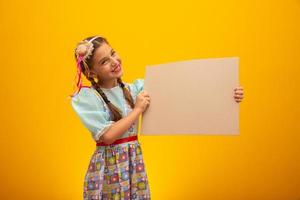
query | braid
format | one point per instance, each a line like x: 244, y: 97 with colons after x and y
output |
x: 85, y: 66
x: 116, y: 113
x: 103, y: 95
x: 126, y: 93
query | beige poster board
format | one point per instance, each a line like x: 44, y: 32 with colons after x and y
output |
x: 192, y: 97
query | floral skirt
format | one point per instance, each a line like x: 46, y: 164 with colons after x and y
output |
x: 117, y: 172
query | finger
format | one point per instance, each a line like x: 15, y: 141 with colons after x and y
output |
x: 147, y: 98
x: 148, y: 101
x: 238, y: 97
x: 238, y: 88
x: 239, y: 92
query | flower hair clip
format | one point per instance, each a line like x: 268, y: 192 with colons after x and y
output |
x: 83, y: 51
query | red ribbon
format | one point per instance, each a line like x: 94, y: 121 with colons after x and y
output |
x: 79, y: 72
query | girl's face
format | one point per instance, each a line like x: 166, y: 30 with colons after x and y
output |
x: 106, y: 64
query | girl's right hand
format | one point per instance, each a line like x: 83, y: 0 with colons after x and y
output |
x: 142, y: 101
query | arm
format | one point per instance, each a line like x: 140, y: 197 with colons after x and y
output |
x: 121, y: 126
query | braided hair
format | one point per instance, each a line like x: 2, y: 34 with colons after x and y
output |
x: 86, y: 65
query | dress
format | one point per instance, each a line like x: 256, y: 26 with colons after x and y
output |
x: 115, y: 171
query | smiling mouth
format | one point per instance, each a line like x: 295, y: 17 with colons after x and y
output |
x: 117, y: 68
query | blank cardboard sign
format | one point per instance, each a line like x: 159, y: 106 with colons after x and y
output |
x: 192, y: 97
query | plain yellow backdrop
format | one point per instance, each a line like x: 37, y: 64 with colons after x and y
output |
x: 45, y: 149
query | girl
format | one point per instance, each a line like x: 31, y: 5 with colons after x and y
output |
x: 110, y: 109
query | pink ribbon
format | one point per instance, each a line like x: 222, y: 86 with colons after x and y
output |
x: 79, y: 72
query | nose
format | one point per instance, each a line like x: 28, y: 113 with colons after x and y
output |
x: 114, y: 61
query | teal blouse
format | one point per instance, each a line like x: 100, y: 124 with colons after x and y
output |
x: 95, y: 114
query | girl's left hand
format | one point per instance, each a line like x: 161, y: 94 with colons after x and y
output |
x: 238, y: 94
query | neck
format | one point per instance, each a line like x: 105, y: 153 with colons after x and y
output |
x: 108, y: 83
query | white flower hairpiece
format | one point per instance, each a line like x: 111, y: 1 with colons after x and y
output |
x: 85, y: 48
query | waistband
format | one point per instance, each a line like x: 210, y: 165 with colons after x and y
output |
x: 119, y: 141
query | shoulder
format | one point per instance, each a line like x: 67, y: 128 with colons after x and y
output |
x: 85, y: 91
x: 138, y: 82
x: 137, y: 85
x: 86, y: 95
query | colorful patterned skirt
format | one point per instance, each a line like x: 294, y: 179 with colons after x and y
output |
x: 117, y: 172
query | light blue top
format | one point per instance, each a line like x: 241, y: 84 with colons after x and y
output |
x: 95, y: 114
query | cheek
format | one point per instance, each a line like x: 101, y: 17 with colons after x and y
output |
x: 105, y: 69
x: 98, y: 71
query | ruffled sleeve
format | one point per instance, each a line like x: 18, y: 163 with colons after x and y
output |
x: 92, y: 112
x: 137, y: 86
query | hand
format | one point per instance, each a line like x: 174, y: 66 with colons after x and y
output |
x: 238, y: 94
x: 142, y: 101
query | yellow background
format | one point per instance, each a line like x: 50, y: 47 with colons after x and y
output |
x: 45, y: 149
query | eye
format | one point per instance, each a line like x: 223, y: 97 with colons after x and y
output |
x: 113, y: 53
x: 103, y: 62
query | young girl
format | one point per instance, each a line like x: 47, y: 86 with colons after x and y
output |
x: 110, y: 109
